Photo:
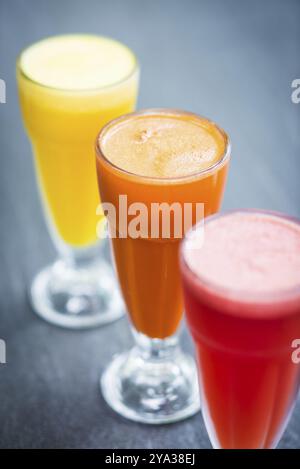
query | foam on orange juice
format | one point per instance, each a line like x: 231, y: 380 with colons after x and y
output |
x: 164, y: 146
x: 70, y: 86
x: 164, y: 157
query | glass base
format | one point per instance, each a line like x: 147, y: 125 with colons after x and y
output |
x: 151, y: 387
x: 77, y: 298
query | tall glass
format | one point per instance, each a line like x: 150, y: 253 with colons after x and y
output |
x: 155, y: 382
x: 244, y: 339
x: 79, y: 289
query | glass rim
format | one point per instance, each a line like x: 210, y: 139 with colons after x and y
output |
x: 155, y: 179
x: 241, y: 296
x: 135, y: 69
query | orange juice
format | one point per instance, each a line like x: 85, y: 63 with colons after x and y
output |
x: 69, y: 87
x: 158, y: 156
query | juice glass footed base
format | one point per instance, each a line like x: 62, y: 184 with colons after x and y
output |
x: 153, y: 383
x: 77, y: 291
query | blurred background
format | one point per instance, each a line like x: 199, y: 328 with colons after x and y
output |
x: 231, y: 61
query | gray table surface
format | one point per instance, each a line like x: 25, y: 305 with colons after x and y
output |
x: 233, y: 61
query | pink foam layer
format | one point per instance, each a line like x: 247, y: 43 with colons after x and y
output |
x: 246, y: 251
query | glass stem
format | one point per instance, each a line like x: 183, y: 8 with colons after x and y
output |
x: 155, y: 350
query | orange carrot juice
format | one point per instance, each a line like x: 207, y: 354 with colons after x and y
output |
x: 158, y: 156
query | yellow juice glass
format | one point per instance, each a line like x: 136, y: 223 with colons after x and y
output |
x: 69, y: 86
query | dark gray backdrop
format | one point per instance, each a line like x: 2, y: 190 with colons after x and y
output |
x: 232, y: 61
